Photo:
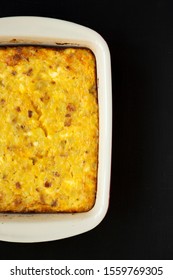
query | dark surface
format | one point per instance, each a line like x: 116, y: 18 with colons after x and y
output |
x: 139, y: 223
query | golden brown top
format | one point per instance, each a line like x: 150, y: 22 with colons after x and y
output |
x: 48, y: 129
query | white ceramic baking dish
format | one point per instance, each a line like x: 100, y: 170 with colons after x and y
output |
x: 47, y: 31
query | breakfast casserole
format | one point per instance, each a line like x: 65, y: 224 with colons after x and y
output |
x: 48, y: 129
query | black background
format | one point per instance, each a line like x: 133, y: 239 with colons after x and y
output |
x: 139, y: 223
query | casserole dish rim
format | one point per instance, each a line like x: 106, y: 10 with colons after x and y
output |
x: 51, y: 32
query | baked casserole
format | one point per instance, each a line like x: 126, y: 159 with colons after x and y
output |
x: 48, y: 129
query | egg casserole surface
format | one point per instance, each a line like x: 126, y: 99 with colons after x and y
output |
x: 48, y: 129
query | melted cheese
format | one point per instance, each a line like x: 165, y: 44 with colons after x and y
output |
x: 48, y: 129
